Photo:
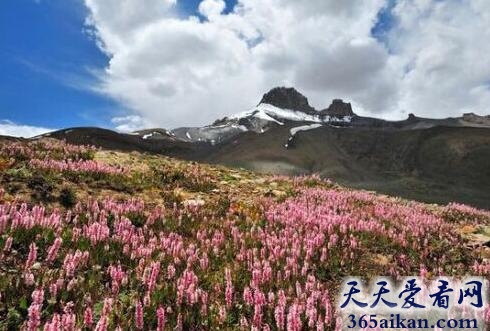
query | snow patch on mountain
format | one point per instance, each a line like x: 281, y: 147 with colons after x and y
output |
x: 297, y: 129
x: 259, y: 120
x: 152, y: 134
x: 274, y: 114
x: 335, y: 119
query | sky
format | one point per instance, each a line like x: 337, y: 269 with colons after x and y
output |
x: 132, y: 64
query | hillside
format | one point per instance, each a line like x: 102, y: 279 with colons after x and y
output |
x: 101, y: 239
x: 428, y: 160
x: 436, y: 165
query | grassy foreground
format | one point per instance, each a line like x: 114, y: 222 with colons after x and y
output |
x: 100, y: 240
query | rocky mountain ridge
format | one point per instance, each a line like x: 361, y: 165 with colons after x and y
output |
x: 282, y: 105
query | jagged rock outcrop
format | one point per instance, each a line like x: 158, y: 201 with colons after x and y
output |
x: 287, y: 98
x: 338, y: 108
x: 411, y: 117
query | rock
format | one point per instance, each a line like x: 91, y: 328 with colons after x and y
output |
x: 478, y: 240
x: 485, y: 253
x: 279, y: 194
x: 338, y: 108
x: 275, y: 193
x: 183, y: 195
x: 381, y: 260
x: 476, y: 236
x: 194, y: 203
x: 468, y: 229
x: 287, y: 98
x: 412, y: 117
x: 36, y: 266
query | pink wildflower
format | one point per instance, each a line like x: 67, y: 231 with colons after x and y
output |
x: 32, y: 255
x: 138, y: 316
x: 88, y: 318
x: 160, y: 319
x: 229, y: 288
x: 53, y: 250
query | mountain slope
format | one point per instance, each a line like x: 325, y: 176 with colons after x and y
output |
x: 144, y: 141
x: 433, y: 160
x: 435, y: 165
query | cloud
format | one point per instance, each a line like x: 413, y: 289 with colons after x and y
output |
x: 9, y: 128
x: 172, y: 70
x: 441, y: 50
x: 129, y: 123
x: 211, y: 8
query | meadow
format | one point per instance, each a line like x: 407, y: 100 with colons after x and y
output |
x: 101, y: 240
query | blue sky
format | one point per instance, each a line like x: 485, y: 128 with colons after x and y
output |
x: 47, y: 63
x: 46, y: 60
x: 384, y: 23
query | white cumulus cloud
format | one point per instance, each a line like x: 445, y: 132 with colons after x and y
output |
x: 172, y: 69
x: 9, y: 128
x: 129, y: 123
x: 212, y: 8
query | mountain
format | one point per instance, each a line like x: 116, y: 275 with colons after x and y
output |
x: 279, y: 106
x: 287, y: 98
x: 282, y: 106
x: 432, y: 160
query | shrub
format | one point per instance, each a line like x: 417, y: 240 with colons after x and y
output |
x: 68, y: 197
x: 41, y: 188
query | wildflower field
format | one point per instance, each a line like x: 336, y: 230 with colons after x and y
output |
x: 101, y: 240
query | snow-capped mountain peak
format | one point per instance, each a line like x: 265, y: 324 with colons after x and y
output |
x: 280, y: 106
x: 272, y: 113
x: 275, y: 114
